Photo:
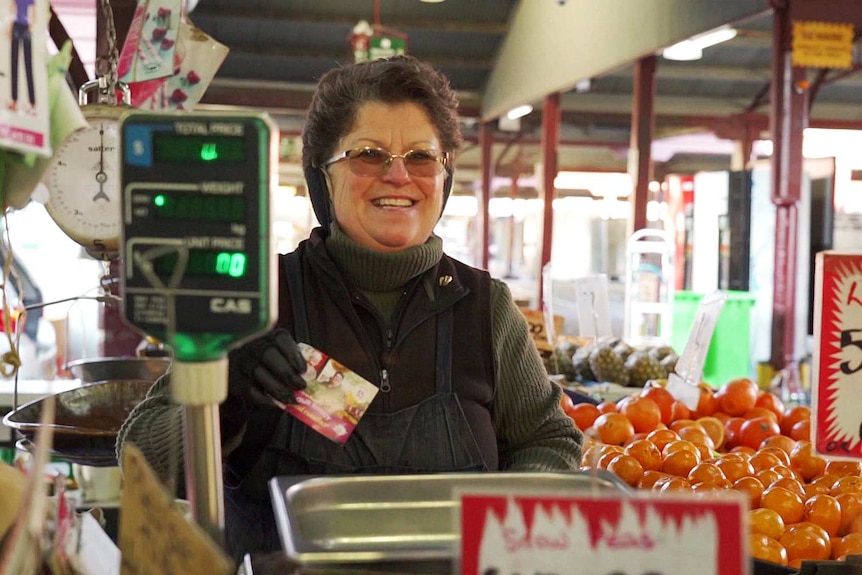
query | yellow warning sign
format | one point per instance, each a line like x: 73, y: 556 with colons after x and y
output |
x: 822, y: 44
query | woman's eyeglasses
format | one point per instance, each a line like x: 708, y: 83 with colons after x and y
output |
x: 376, y: 161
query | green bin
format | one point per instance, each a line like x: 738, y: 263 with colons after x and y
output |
x: 729, y: 354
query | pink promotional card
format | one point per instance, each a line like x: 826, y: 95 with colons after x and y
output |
x: 335, y: 398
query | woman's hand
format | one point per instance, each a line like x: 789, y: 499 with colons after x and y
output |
x: 270, y: 366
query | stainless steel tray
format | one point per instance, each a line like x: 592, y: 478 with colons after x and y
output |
x: 379, y: 518
x: 87, y: 421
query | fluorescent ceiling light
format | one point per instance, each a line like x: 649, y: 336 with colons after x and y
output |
x: 519, y: 112
x: 692, y: 49
x: 600, y: 184
x: 683, y: 51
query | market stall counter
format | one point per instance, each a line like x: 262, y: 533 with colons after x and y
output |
x: 392, y: 523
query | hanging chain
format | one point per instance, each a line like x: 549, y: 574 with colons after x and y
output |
x: 108, y: 82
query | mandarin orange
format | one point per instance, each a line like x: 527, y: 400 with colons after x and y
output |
x: 788, y: 504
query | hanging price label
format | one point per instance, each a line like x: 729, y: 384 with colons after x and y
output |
x: 594, y: 316
x: 837, y: 369
x: 689, y: 368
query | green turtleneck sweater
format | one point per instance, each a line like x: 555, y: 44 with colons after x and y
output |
x: 380, y: 276
x: 533, y: 432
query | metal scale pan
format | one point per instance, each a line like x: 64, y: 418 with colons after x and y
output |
x: 87, y: 422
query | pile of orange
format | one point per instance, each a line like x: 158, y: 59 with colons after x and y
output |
x: 802, y: 506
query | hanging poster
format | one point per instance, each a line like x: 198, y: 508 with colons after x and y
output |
x: 148, y: 51
x: 24, y: 110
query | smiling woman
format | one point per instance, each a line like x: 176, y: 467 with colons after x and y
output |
x: 396, y: 204
x: 461, y: 385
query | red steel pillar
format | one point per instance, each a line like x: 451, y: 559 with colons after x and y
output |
x: 486, y: 142
x: 551, y: 116
x: 642, y: 128
x: 788, y: 117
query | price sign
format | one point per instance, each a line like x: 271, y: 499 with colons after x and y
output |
x: 154, y: 537
x: 538, y: 328
x: 530, y: 534
x: 837, y: 369
x: 822, y: 44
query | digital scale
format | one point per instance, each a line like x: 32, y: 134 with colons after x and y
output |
x: 198, y: 262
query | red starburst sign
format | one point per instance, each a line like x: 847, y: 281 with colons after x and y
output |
x: 837, y: 370
x: 583, y: 532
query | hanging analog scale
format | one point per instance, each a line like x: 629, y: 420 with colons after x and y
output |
x: 82, y: 176
x: 83, y: 180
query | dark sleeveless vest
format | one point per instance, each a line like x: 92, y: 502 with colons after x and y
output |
x: 434, y: 368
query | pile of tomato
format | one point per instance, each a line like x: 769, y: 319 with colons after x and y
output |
x: 802, y: 507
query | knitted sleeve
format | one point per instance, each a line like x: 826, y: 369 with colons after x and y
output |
x: 155, y: 427
x: 533, y: 432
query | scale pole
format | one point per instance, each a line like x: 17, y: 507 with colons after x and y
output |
x: 201, y: 387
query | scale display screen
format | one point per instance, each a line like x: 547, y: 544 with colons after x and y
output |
x: 199, y: 264
x: 180, y: 149
x: 197, y: 206
x: 223, y: 264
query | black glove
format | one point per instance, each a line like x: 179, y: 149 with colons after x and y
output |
x: 270, y: 366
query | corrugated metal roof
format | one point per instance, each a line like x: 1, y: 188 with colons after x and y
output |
x: 278, y: 50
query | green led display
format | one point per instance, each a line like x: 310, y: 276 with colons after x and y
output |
x: 196, y: 206
x: 204, y: 263
x: 176, y: 149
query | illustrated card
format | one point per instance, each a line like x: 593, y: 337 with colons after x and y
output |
x: 335, y: 398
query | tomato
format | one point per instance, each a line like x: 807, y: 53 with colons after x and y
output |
x: 583, y: 414
x: 771, y: 402
x: 793, y: 415
x: 752, y: 432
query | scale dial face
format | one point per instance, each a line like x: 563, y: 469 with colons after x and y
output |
x: 84, y: 183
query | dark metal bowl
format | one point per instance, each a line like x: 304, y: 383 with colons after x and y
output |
x: 114, y: 368
x: 87, y: 421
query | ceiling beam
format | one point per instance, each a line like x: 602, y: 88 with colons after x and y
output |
x: 285, y: 14
x: 340, y: 54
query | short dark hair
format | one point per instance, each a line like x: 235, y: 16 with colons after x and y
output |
x: 341, y: 91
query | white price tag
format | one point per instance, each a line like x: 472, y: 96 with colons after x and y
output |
x: 689, y: 368
x: 594, y: 318
x: 547, y: 304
